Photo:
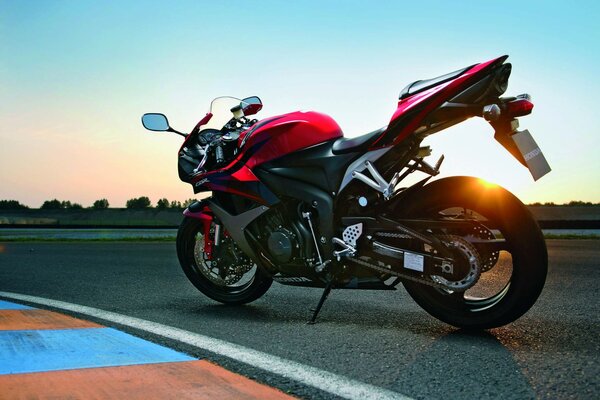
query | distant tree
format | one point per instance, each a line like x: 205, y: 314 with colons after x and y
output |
x: 580, y: 203
x: 52, y: 205
x: 162, y: 204
x: 536, y: 204
x: 176, y: 205
x: 187, y: 203
x: 101, y: 204
x: 550, y: 203
x: 138, y: 203
x: 11, y: 205
x: 58, y: 205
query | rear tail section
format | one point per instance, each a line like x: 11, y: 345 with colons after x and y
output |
x: 428, y: 106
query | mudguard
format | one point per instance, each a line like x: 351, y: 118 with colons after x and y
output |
x: 411, y: 200
x: 401, y: 203
x: 199, y: 210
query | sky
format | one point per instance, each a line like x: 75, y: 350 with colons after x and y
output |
x: 76, y: 76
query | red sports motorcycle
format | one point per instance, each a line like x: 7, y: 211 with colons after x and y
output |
x: 293, y: 201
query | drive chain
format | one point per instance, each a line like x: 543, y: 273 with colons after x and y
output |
x: 396, y: 273
x: 394, y: 235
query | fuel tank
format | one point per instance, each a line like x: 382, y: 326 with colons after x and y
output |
x: 267, y: 140
x: 278, y: 136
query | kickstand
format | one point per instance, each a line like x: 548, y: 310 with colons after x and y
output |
x: 313, y: 320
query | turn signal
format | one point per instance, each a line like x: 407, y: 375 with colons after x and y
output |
x: 491, y: 112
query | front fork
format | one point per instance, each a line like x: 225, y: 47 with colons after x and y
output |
x: 202, y: 212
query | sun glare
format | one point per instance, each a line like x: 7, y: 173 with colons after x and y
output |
x: 487, y: 184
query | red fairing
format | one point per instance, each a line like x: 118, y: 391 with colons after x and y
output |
x: 244, y: 175
x: 432, y: 98
x: 196, y: 129
x: 236, y: 182
x: 237, y: 179
x: 288, y: 133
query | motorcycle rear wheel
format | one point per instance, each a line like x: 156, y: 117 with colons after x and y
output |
x: 525, y: 243
x: 190, y: 240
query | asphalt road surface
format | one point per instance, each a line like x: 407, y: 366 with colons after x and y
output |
x: 380, y: 338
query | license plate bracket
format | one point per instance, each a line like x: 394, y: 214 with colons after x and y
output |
x: 532, y: 155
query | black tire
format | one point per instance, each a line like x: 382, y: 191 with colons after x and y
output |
x: 259, y: 283
x: 527, y: 250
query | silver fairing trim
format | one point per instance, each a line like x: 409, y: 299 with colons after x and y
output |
x: 359, y: 164
x: 236, y: 224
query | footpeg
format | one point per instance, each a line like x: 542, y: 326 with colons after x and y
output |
x: 347, y: 250
x: 348, y: 244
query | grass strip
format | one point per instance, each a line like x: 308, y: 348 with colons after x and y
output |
x: 62, y: 240
x: 570, y: 236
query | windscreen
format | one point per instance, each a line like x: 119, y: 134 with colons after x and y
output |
x: 220, y: 108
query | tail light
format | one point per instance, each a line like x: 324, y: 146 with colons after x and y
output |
x: 518, y: 107
x: 508, y: 108
x: 506, y: 125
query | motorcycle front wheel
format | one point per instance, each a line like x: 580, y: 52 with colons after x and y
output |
x: 234, y: 279
x: 511, y: 280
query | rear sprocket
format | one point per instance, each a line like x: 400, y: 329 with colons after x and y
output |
x: 467, y: 264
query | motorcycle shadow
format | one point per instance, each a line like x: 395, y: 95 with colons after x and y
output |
x: 379, y: 311
x: 296, y: 306
x: 467, y: 364
x: 472, y: 362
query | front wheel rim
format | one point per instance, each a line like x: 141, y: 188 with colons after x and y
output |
x: 201, y: 267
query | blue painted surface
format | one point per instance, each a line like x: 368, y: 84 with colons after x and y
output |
x: 50, y: 350
x: 5, y: 305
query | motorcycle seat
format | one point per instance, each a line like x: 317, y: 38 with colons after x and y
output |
x: 349, y: 145
x: 422, y: 85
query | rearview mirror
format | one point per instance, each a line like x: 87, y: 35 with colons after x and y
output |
x: 251, y: 105
x: 155, y: 122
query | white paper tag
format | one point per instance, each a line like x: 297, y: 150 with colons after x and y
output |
x: 413, y: 261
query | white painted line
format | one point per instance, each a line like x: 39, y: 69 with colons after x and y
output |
x: 326, y: 381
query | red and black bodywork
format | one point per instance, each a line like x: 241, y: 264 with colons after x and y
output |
x: 447, y: 99
x: 296, y: 202
x: 304, y: 156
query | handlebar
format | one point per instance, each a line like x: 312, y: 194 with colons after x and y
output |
x: 215, y: 142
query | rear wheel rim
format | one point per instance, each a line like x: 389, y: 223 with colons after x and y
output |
x: 495, y: 281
